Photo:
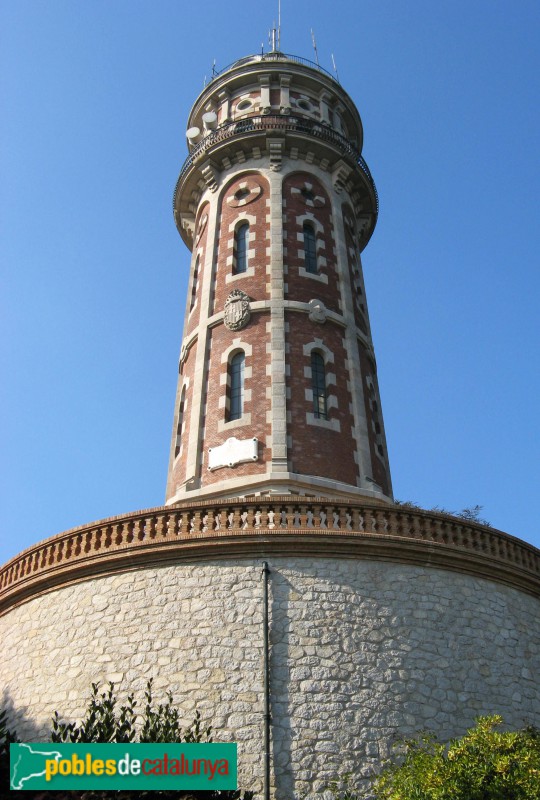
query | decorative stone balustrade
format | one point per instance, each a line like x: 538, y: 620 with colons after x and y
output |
x: 284, y: 525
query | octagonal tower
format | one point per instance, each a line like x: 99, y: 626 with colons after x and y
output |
x: 277, y: 366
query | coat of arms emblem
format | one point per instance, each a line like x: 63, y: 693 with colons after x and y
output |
x: 237, y: 312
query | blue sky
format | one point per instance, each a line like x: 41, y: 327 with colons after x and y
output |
x: 94, y: 99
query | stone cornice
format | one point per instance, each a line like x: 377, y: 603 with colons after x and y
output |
x: 239, y: 142
x: 279, y: 526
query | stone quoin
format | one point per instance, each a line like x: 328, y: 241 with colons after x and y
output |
x: 381, y: 620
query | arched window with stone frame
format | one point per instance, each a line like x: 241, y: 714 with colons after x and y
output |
x: 376, y: 417
x: 312, y: 242
x: 318, y: 385
x: 241, y: 244
x: 194, y: 284
x: 180, y: 422
x: 236, y: 376
x: 310, y: 248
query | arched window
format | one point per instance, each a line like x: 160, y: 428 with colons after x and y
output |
x: 194, y: 285
x: 318, y: 385
x: 236, y: 386
x: 241, y: 242
x: 310, y: 248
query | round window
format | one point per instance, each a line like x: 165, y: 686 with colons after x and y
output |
x: 244, y: 105
x: 241, y: 194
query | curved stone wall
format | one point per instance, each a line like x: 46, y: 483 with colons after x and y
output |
x: 361, y: 651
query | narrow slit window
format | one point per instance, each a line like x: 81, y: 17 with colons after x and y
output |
x: 180, y: 425
x: 236, y: 387
x: 310, y: 248
x: 194, y: 285
x: 318, y: 384
x: 242, y: 238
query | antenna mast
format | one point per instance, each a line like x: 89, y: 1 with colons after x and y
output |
x: 273, y: 39
x: 315, y: 47
x: 274, y: 36
x: 335, y: 68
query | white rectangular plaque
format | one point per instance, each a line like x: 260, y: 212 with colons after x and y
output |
x: 232, y: 452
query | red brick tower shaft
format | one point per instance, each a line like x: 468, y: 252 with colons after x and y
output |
x: 278, y: 388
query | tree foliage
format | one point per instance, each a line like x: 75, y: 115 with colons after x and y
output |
x: 7, y: 737
x: 470, y: 514
x: 485, y: 764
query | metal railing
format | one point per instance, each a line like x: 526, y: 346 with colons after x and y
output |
x: 272, y: 57
x: 276, y: 122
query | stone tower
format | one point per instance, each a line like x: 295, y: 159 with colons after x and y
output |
x: 277, y: 367
x: 279, y: 591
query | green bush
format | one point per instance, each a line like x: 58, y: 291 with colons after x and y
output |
x: 7, y: 737
x: 107, y: 721
x: 485, y: 764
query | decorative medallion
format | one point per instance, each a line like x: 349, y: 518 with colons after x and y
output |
x: 237, y: 311
x: 317, y: 311
x: 307, y: 193
x: 246, y: 192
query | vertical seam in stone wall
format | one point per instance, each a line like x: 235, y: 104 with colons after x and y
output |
x: 267, y: 721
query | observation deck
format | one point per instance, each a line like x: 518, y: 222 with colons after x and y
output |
x: 268, y: 103
x: 273, y: 57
